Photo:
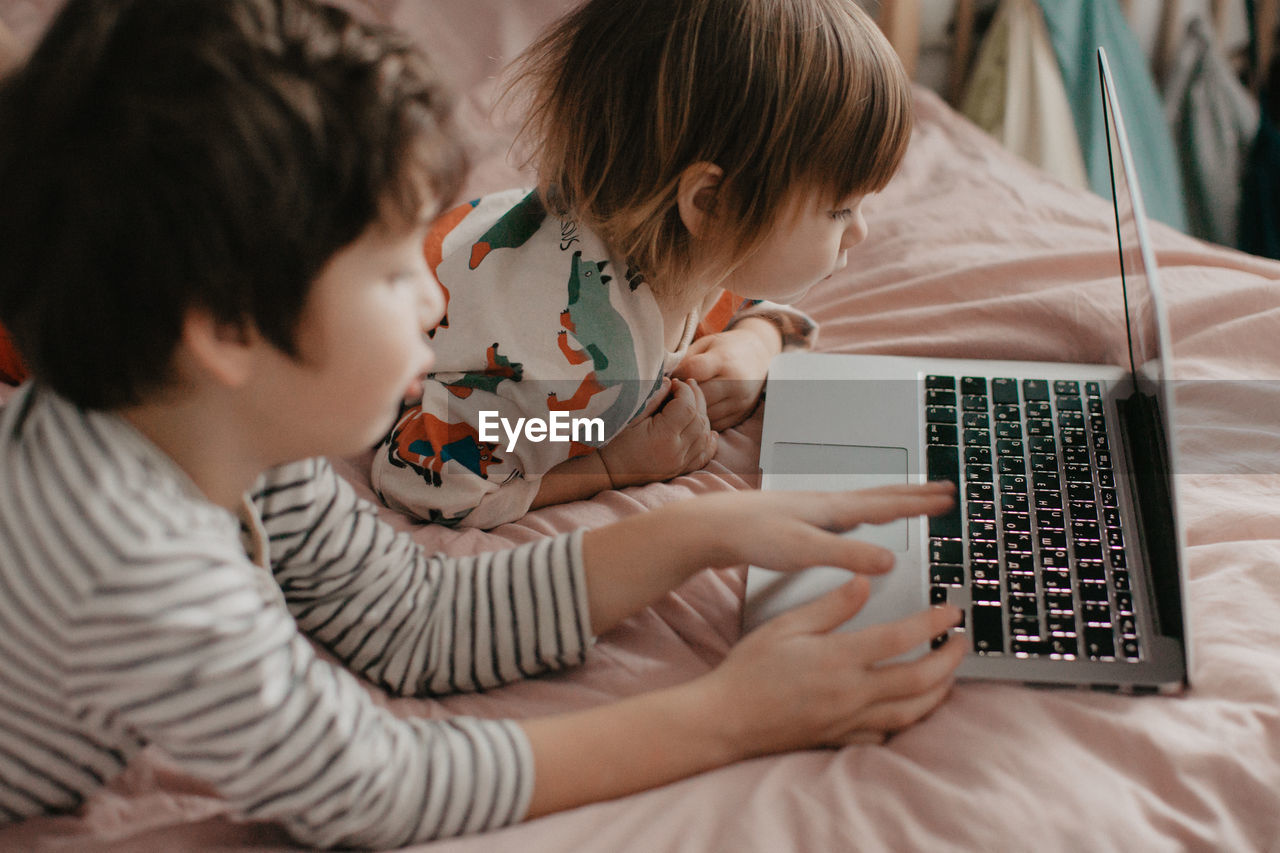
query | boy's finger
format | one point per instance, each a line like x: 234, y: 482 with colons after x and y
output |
x: 825, y: 614
x: 846, y: 510
x: 883, y: 642
x: 896, y: 714
x: 904, y: 680
x: 823, y: 548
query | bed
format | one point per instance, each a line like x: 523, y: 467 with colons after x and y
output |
x: 972, y: 253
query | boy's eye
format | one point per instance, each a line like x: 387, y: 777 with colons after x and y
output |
x: 843, y: 213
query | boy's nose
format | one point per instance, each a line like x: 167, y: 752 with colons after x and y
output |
x: 433, y: 302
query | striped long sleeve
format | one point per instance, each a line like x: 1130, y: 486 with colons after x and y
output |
x: 130, y: 615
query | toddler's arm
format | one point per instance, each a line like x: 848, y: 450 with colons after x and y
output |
x: 732, y: 362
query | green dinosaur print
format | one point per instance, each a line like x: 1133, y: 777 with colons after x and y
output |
x: 499, y: 369
x: 514, y: 229
x: 598, y: 328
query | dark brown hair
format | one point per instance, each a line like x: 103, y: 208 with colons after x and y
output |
x: 783, y: 95
x: 160, y: 155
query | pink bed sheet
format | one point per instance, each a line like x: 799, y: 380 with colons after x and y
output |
x: 973, y: 254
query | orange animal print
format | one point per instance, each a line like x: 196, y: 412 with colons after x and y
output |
x: 423, y: 443
x: 433, y: 249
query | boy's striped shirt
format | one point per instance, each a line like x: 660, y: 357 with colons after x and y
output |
x: 131, y: 614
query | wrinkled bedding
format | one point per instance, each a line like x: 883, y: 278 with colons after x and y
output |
x: 971, y: 254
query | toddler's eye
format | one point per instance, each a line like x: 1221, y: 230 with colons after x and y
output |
x: 843, y: 213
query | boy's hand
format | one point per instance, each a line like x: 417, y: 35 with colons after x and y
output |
x: 731, y: 367
x: 675, y: 439
x: 796, y: 683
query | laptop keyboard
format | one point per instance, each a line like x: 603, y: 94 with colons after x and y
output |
x: 1037, y: 536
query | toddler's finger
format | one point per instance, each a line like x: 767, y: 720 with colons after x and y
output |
x: 657, y: 399
x: 699, y: 367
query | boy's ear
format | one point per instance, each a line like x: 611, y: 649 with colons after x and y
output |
x: 696, y: 196
x: 223, y: 351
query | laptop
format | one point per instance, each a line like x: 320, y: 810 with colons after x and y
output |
x: 1064, y: 550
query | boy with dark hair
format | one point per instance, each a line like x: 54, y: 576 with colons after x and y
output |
x: 211, y: 219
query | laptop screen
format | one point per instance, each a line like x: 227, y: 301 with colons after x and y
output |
x: 1144, y: 314
x: 1153, y: 449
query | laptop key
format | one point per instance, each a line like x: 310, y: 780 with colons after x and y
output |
x: 973, y: 385
x: 940, y: 414
x: 1014, y: 502
x: 985, y: 572
x: 987, y: 627
x: 1015, y: 522
x: 1090, y: 552
x: 977, y: 454
x: 976, y: 491
x: 980, y: 511
x: 1064, y: 646
x: 1035, y: 389
x: 1092, y: 592
x: 1098, y: 642
x: 947, y: 526
x: 1020, y: 627
x: 946, y: 574
x: 1070, y: 403
x: 985, y: 594
x: 939, y: 397
x: 1004, y: 391
x: 1029, y: 646
x: 1058, y: 582
x: 946, y: 551
x: 942, y: 434
x: 948, y: 382
x: 1009, y: 429
x: 943, y: 462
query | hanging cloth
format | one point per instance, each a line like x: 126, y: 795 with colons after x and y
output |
x: 1260, y: 185
x: 11, y: 367
x: 1214, y: 120
x: 1076, y: 30
x: 1015, y: 93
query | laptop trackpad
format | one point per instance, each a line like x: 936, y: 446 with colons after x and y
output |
x: 837, y: 467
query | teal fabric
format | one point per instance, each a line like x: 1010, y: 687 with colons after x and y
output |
x: 1076, y: 29
x: 1260, y: 193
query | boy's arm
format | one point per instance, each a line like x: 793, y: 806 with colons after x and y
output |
x: 410, y: 622
x: 793, y: 683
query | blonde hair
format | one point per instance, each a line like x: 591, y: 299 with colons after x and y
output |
x: 782, y: 95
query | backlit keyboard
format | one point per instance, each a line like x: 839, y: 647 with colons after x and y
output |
x: 1037, y: 535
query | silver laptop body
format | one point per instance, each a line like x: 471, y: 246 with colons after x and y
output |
x: 1088, y: 594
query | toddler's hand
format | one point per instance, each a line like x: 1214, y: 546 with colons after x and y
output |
x: 731, y: 367
x: 673, y: 440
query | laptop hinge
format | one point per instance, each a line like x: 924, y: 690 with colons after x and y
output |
x: 1144, y: 440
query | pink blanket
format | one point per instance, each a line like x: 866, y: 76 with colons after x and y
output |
x: 974, y: 254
